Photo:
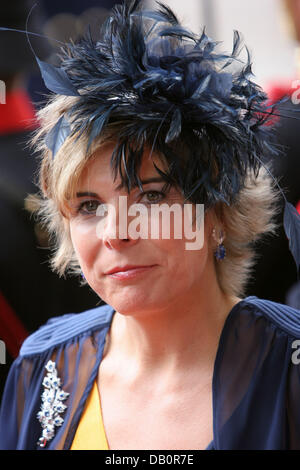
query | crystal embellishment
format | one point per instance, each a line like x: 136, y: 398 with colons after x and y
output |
x: 52, y: 404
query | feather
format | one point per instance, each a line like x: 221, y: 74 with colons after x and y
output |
x: 31, y: 34
x: 203, y: 85
x: 168, y: 14
x: 175, y: 126
x: 165, y: 85
x: 56, y: 79
x: 177, y: 31
x: 237, y: 44
x: 57, y: 136
x: 98, y: 124
x: 164, y: 15
x: 292, y: 229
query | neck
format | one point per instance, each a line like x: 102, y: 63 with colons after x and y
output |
x: 181, y: 333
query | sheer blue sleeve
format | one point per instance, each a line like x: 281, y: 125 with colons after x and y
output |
x: 9, y: 410
x: 257, y: 379
x: 20, y: 403
x: 74, y: 344
x: 293, y: 397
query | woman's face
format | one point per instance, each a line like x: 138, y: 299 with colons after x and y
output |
x: 151, y: 273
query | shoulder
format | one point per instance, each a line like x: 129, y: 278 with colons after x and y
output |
x: 65, y: 327
x: 285, y: 318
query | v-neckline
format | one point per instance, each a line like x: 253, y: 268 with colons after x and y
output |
x: 102, y: 422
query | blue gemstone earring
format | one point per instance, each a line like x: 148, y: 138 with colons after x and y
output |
x: 220, y: 251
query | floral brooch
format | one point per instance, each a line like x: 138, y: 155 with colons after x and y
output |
x: 52, y: 406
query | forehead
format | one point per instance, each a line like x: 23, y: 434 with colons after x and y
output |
x: 98, y: 168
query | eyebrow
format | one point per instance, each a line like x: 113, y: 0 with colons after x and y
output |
x: 85, y: 194
x: 146, y: 181
x: 154, y: 179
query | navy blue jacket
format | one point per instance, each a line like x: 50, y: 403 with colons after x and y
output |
x: 256, y: 379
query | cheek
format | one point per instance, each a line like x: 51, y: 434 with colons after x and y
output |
x: 184, y: 266
x: 85, y: 242
x: 191, y: 252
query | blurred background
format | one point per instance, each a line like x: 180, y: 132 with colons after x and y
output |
x: 29, y: 292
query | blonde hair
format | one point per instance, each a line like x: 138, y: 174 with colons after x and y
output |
x: 245, y: 221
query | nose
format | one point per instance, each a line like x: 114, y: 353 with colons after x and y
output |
x: 113, y: 226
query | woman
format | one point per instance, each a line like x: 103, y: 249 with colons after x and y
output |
x: 152, y: 116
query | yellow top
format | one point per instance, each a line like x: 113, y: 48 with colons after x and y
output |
x: 90, y: 434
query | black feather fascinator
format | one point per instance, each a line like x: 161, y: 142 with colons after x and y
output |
x: 173, y: 91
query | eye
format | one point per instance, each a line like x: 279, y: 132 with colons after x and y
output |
x: 152, y: 197
x: 88, y: 207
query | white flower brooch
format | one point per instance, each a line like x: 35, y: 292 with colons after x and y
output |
x: 52, y: 405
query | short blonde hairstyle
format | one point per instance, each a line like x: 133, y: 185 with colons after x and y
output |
x: 245, y: 221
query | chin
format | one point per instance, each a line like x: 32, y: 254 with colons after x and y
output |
x: 133, y: 303
x: 130, y: 306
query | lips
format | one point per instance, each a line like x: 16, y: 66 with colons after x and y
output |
x: 128, y: 272
x: 119, y: 269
